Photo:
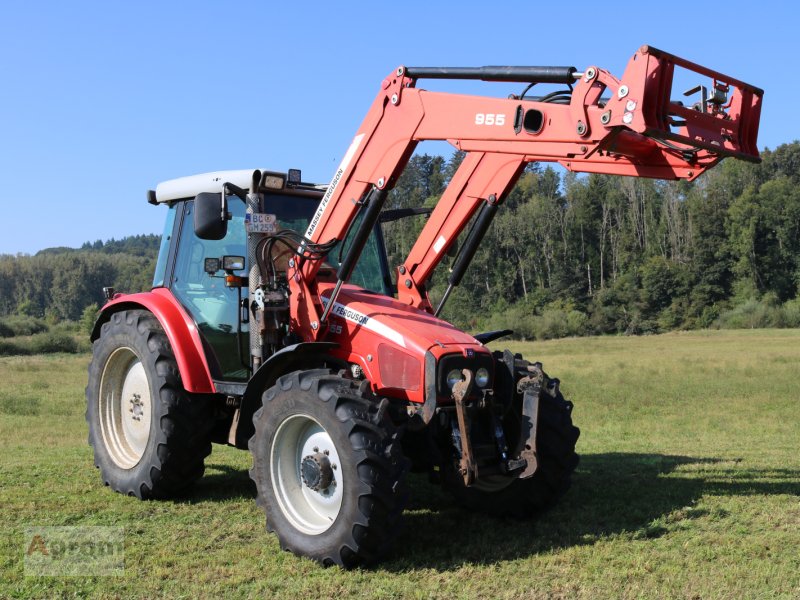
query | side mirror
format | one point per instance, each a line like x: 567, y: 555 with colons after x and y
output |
x: 210, y: 216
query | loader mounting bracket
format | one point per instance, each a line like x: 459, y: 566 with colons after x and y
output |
x: 530, y: 387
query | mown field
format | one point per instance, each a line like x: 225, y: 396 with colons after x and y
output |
x: 688, y: 487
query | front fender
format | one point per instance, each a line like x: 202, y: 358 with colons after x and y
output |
x: 281, y: 363
x: 181, y: 331
x: 304, y: 355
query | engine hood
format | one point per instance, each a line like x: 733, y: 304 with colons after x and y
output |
x: 359, y: 311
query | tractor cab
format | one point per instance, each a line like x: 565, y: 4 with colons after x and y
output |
x: 209, y: 276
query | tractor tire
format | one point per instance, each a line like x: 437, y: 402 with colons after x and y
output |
x: 328, y: 468
x: 149, y: 436
x: 556, y: 437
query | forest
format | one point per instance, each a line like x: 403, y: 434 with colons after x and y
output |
x: 566, y: 255
x: 60, y: 283
x: 575, y: 255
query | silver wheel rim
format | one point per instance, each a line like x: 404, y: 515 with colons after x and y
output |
x: 310, y: 511
x: 125, y: 407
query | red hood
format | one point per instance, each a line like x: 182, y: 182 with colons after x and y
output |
x: 407, y: 326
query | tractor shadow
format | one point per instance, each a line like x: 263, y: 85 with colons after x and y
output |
x: 638, y: 495
x: 220, y: 483
x: 611, y: 494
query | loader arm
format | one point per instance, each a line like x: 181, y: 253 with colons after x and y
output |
x: 628, y: 126
x: 482, y: 179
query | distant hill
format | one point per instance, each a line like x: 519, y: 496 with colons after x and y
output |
x: 60, y: 282
x: 136, y: 245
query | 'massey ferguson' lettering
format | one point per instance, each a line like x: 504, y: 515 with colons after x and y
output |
x: 312, y: 226
x: 325, y: 199
x: 350, y: 315
x: 359, y: 318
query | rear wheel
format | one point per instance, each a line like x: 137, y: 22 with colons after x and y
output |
x: 328, y: 468
x: 149, y: 436
x: 556, y: 437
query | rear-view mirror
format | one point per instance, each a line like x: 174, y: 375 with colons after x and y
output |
x: 209, y: 216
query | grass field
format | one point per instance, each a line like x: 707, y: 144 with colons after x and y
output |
x: 688, y: 487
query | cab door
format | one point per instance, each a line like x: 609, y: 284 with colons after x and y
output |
x: 213, y: 306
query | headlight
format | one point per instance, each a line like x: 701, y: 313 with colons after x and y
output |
x: 453, y: 377
x: 482, y: 377
x: 450, y: 368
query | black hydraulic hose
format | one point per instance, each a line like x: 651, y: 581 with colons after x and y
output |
x: 468, y: 249
x: 239, y: 329
x: 472, y: 242
x: 373, y: 203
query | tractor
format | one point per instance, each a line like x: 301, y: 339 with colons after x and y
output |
x: 275, y: 323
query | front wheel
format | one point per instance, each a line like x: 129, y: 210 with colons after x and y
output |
x: 328, y: 468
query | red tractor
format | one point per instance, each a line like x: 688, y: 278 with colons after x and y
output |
x: 275, y: 322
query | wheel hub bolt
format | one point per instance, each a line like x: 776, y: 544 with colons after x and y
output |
x: 137, y: 407
x: 316, y: 471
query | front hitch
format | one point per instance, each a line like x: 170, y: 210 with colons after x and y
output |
x: 461, y: 390
x: 522, y: 461
x: 530, y: 387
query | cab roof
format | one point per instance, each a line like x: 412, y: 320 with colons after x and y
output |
x: 188, y: 187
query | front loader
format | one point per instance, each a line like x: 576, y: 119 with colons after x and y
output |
x: 276, y: 324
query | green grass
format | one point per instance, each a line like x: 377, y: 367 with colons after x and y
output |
x: 688, y: 487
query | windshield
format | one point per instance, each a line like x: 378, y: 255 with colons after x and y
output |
x: 295, y: 212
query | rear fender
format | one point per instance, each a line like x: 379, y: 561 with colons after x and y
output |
x: 181, y: 332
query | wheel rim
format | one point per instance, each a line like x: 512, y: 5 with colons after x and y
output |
x: 301, y: 443
x: 125, y: 407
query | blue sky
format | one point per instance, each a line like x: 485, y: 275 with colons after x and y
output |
x: 102, y: 100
